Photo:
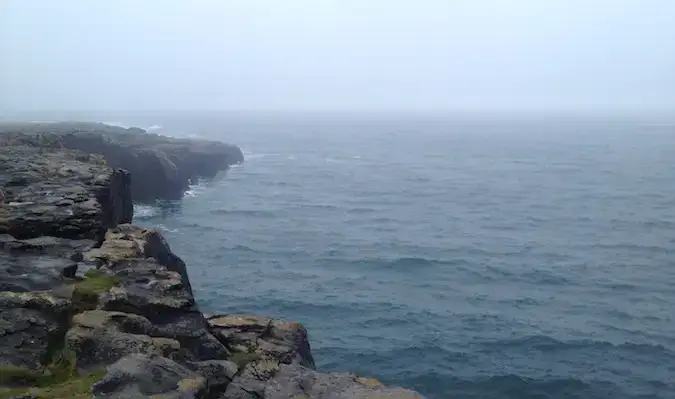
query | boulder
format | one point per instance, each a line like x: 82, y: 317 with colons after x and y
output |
x: 102, y: 338
x: 142, y: 376
x: 257, y: 337
x: 297, y: 382
x: 131, y: 242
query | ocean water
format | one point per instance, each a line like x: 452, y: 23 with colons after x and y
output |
x: 464, y: 258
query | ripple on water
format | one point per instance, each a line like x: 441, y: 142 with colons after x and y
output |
x: 458, y: 262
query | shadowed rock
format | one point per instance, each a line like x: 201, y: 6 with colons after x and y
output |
x: 31, y: 323
x: 261, y: 337
x: 143, y: 376
x: 102, y: 338
x: 296, y: 382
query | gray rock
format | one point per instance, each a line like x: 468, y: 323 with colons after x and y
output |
x: 55, y: 192
x: 161, y: 167
x: 142, y: 376
x: 218, y: 374
x: 30, y: 272
x: 102, y: 338
x: 131, y: 242
x: 261, y: 337
x: 31, y: 323
x: 297, y: 382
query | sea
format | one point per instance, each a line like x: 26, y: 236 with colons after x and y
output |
x: 463, y: 256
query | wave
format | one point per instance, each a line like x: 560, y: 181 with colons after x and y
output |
x: 549, y: 344
x: 243, y: 212
x: 470, y: 375
x: 145, y: 211
x: 513, y: 386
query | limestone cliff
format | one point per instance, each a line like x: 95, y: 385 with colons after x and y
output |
x: 92, y: 306
x: 161, y: 167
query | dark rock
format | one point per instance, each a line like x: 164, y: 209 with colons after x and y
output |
x: 30, y: 272
x: 142, y: 376
x: 141, y: 261
x: 218, y: 374
x: 102, y: 338
x: 149, y: 290
x: 262, y: 337
x: 297, y: 382
x: 82, y: 290
x: 51, y: 193
x: 161, y: 167
x: 31, y: 323
x: 131, y: 242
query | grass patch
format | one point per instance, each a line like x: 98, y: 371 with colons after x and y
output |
x: 95, y: 282
x: 74, y: 388
x: 58, y: 381
x: 15, y: 375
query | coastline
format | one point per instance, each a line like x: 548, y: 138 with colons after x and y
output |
x: 105, y: 304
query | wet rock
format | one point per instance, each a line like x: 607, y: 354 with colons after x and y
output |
x: 262, y: 337
x: 142, y: 376
x: 31, y: 323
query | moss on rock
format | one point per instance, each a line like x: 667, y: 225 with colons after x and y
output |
x: 94, y: 284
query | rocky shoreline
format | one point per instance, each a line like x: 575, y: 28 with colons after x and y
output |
x: 93, y: 306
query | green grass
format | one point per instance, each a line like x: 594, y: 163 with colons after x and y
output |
x: 59, y: 380
x: 94, y: 283
x: 15, y: 375
x: 74, y: 388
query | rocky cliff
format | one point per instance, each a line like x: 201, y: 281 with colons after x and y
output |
x: 94, y: 307
x: 161, y: 167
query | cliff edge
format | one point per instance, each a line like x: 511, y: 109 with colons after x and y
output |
x: 161, y: 167
x: 92, y: 306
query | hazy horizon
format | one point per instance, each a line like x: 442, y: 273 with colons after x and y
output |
x: 495, y: 56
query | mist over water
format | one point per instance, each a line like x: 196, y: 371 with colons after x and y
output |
x: 469, y: 258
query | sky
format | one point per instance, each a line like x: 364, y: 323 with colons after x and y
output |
x: 337, y: 55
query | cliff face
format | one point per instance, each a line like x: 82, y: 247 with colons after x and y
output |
x: 161, y: 167
x: 91, y: 306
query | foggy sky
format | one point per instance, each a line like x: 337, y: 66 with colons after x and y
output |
x: 336, y: 54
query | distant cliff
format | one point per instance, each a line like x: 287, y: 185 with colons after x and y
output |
x: 161, y: 167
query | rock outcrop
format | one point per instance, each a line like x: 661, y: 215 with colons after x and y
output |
x: 161, y: 167
x: 92, y: 306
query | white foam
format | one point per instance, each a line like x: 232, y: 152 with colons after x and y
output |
x: 145, y: 211
x: 118, y: 124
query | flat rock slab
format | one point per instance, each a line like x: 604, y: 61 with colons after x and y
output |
x: 60, y: 193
